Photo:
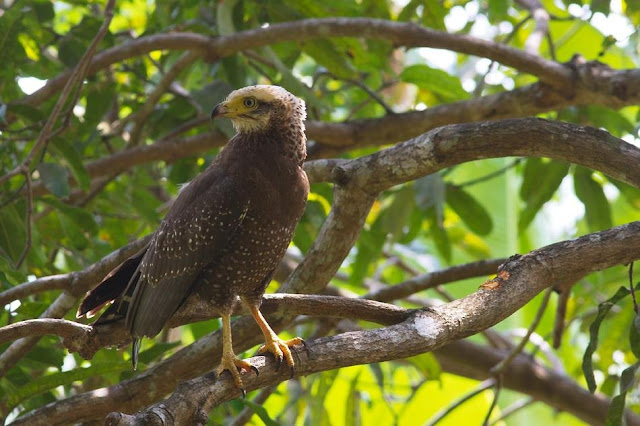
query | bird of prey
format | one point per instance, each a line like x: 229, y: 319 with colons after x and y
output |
x: 225, y: 233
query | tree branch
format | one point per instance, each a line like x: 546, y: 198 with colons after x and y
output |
x: 399, y: 33
x: 75, y: 76
x: 75, y: 284
x: 521, y: 278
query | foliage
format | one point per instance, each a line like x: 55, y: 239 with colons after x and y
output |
x: 450, y: 218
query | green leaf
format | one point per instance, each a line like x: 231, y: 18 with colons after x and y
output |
x: 26, y: 111
x: 433, y: 14
x: 594, y: 328
x: 616, y: 408
x: 370, y: 247
x: 260, y: 411
x: 439, y: 235
x: 539, y: 189
x: 12, y: 231
x: 328, y: 54
x: 395, y: 217
x: 533, y: 168
x: 436, y: 81
x: 155, y: 351
x: 498, y: 11
x: 590, y: 192
x: 74, y: 161
x: 470, y: 211
x: 70, y: 50
x: 430, y: 192
x: 352, y: 404
x: 79, y: 216
x: 44, y: 10
x: 427, y: 364
x: 51, y: 381
x: 634, y: 335
x: 10, y: 26
x: 55, y: 179
x: 630, y: 193
x: 99, y: 100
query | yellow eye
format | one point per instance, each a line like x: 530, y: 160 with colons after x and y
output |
x: 249, y: 102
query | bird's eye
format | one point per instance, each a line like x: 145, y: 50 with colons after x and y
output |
x: 250, y: 102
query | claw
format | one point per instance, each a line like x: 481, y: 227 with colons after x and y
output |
x: 234, y: 366
x: 255, y: 370
x: 282, y: 351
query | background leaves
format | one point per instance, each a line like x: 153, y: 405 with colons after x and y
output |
x: 419, y: 227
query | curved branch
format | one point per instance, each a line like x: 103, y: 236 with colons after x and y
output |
x: 529, y: 137
x: 597, y: 86
x: 399, y: 33
x: 519, y: 280
x: 77, y: 283
x: 522, y: 277
x: 436, y: 278
x: 42, y: 327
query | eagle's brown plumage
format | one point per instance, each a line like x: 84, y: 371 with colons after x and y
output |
x: 227, y: 230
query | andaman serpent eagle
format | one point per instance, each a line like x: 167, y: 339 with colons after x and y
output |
x: 225, y: 233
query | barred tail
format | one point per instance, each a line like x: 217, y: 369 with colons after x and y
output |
x: 111, y: 289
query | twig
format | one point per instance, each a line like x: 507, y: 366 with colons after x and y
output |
x: 489, y: 176
x: 541, y: 30
x: 246, y: 414
x: 29, y: 213
x: 76, y: 76
x: 440, y: 415
x: 361, y: 85
x: 632, y: 289
x: 78, y: 283
x: 42, y: 327
x: 142, y: 114
x: 561, y: 314
x: 435, y: 278
x: 494, y: 401
x: 513, y: 408
x: 498, y: 369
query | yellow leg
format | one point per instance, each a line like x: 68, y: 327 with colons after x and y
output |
x: 274, y: 344
x: 230, y: 361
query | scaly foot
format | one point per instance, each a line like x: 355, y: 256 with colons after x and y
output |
x: 235, y: 365
x: 281, y: 349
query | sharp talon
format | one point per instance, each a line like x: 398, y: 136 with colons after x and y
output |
x: 244, y: 393
x: 255, y: 370
x: 306, y: 347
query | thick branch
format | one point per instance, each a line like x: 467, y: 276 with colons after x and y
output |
x: 42, y: 327
x: 399, y: 33
x: 76, y: 285
x: 522, y: 278
x: 436, y: 278
x: 529, y: 137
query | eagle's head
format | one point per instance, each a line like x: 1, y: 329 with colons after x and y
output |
x: 260, y: 108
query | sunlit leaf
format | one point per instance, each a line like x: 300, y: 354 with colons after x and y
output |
x: 590, y: 192
x: 434, y: 80
x: 603, y: 310
x: 616, y: 408
x: 540, y: 187
x: 470, y: 211
x: 54, y: 177
x: 54, y: 380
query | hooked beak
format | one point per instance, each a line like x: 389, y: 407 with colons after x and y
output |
x: 220, y: 110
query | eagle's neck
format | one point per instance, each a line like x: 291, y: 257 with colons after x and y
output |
x: 285, y: 138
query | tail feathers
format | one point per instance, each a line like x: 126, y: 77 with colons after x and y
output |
x: 135, y: 348
x: 118, y: 310
x: 111, y: 287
